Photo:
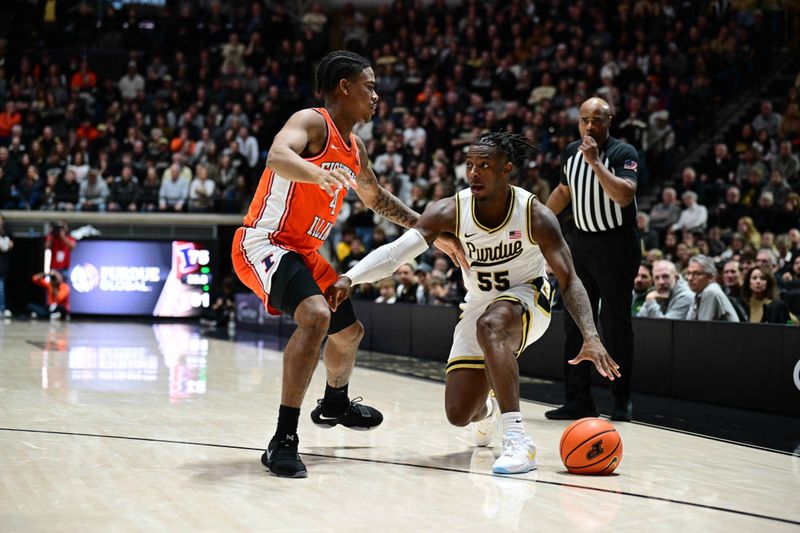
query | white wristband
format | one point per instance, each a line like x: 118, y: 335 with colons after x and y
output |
x: 383, y: 261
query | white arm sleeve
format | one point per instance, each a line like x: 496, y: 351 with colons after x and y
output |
x: 383, y: 261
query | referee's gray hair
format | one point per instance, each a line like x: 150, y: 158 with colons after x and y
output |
x: 706, y: 263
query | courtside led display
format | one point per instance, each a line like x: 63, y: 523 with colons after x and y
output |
x: 153, y: 278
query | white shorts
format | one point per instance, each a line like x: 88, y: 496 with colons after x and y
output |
x: 535, y: 300
x: 255, y: 260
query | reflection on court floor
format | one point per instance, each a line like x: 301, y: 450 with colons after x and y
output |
x: 138, y: 426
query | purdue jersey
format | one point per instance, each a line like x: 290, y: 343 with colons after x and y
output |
x: 501, y: 257
x: 505, y: 264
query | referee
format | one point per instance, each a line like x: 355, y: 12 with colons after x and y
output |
x: 598, y: 175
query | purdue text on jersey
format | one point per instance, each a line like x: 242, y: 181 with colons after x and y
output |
x: 495, y: 255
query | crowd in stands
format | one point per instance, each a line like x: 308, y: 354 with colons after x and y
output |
x: 739, y: 212
x: 182, y: 119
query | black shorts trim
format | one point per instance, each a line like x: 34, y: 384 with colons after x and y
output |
x: 292, y: 283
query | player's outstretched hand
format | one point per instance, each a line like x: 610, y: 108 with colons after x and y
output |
x: 338, y: 292
x: 593, y: 350
x: 450, y: 245
x: 332, y: 180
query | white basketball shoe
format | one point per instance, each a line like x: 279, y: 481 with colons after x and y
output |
x: 518, y: 457
x: 483, y: 430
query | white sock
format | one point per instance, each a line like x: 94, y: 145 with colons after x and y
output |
x: 512, y: 422
x: 489, y: 408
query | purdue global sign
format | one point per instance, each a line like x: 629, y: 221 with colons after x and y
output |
x: 153, y: 278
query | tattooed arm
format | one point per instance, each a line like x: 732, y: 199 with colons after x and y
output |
x: 387, y: 205
x: 377, y: 198
x: 547, y: 234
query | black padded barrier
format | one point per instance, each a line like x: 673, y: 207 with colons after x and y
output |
x: 752, y: 366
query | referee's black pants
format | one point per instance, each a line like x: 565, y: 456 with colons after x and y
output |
x: 606, y: 263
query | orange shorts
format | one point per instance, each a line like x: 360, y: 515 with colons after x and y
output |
x: 255, y: 260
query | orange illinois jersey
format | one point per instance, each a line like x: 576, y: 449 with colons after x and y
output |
x: 300, y: 216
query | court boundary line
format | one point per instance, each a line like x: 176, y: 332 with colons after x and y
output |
x: 637, y: 422
x: 411, y: 465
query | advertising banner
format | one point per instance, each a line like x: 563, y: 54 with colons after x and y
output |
x: 152, y: 278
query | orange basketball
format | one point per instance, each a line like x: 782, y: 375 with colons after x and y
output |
x: 591, y: 446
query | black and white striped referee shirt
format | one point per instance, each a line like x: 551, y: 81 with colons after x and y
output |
x: 593, y: 210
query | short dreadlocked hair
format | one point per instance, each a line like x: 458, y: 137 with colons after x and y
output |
x: 336, y: 66
x: 516, y: 147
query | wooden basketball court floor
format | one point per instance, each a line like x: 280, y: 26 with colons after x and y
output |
x: 131, y: 426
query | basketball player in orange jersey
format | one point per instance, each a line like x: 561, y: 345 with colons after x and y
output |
x: 507, y: 234
x: 313, y: 161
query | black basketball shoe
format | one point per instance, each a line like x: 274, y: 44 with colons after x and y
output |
x: 282, y: 458
x: 356, y: 416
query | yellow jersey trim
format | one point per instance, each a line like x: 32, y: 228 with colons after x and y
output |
x: 458, y: 216
x: 504, y: 223
x: 529, y: 220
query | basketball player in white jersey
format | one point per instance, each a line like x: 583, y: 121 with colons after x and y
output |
x: 507, y: 235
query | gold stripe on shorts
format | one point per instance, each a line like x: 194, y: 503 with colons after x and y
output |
x: 473, y: 362
x: 526, y: 319
x: 541, y: 300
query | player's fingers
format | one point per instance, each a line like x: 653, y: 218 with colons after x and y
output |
x: 608, y: 366
x: 340, y: 297
x: 448, y: 248
x: 330, y: 184
x: 463, y: 262
x: 614, y: 367
x: 610, y: 362
x: 342, y: 177
x: 337, y: 178
x: 454, y: 258
x: 335, y: 301
x: 329, y: 187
